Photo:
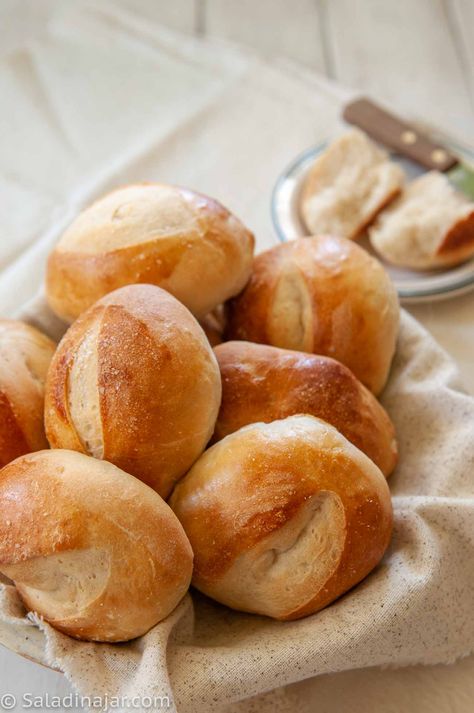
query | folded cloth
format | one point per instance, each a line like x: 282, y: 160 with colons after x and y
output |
x: 416, y: 607
x: 101, y: 99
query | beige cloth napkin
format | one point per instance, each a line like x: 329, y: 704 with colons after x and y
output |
x: 101, y: 98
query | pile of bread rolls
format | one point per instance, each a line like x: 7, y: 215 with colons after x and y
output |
x: 255, y: 471
x: 353, y: 187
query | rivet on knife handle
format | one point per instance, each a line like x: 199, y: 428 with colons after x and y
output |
x: 398, y: 135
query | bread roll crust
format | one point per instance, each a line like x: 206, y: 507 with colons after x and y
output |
x: 263, y: 383
x: 93, y: 550
x: 182, y: 241
x: 323, y: 295
x: 25, y: 354
x: 458, y: 243
x: 135, y: 382
x: 284, y: 517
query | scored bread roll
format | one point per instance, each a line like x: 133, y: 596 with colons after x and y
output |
x: 283, y: 517
x: 348, y: 184
x: 25, y: 354
x: 182, y: 241
x: 430, y: 225
x: 90, y: 548
x: 134, y: 381
x: 262, y: 383
x: 323, y: 295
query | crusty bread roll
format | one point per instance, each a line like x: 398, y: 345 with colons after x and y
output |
x: 348, y: 184
x: 283, y: 517
x: 134, y: 381
x: 172, y: 237
x: 90, y: 548
x: 25, y: 354
x: 323, y: 295
x: 262, y: 383
x: 431, y: 225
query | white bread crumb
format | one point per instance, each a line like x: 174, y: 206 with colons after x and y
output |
x: 414, y: 230
x: 348, y: 185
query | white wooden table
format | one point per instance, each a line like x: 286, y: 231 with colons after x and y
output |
x: 414, y: 55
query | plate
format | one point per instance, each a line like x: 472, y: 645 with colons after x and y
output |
x: 412, y: 286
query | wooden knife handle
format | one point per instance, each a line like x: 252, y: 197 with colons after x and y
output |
x: 398, y: 135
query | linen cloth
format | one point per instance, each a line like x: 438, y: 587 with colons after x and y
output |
x: 102, y: 99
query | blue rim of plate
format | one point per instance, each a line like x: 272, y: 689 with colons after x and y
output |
x: 456, y: 287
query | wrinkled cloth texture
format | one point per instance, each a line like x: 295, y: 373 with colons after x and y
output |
x: 101, y: 111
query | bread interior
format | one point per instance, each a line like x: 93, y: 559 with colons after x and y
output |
x: 61, y: 585
x: 288, y: 568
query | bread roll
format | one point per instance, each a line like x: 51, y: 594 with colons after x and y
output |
x: 348, y: 184
x: 25, y: 354
x: 261, y: 383
x: 430, y: 225
x: 323, y: 295
x: 213, y: 326
x: 182, y: 241
x: 134, y: 381
x: 283, y: 517
x: 95, y: 552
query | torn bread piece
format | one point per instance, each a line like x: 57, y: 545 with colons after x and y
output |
x: 431, y: 225
x: 348, y: 185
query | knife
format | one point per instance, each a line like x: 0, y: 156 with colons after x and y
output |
x: 407, y: 140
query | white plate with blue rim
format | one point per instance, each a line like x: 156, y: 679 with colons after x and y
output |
x: 412, y: 286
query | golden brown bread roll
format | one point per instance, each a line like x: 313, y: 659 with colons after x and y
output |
x: 283, y: 517
x: 172, y: 237
x: 262, y: 383
x: 134, y: 381
x: 25, y: 354
x: 323, y: 295
x: 90, y: 548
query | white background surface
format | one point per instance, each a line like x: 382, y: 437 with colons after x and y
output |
x: 416, y: 55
